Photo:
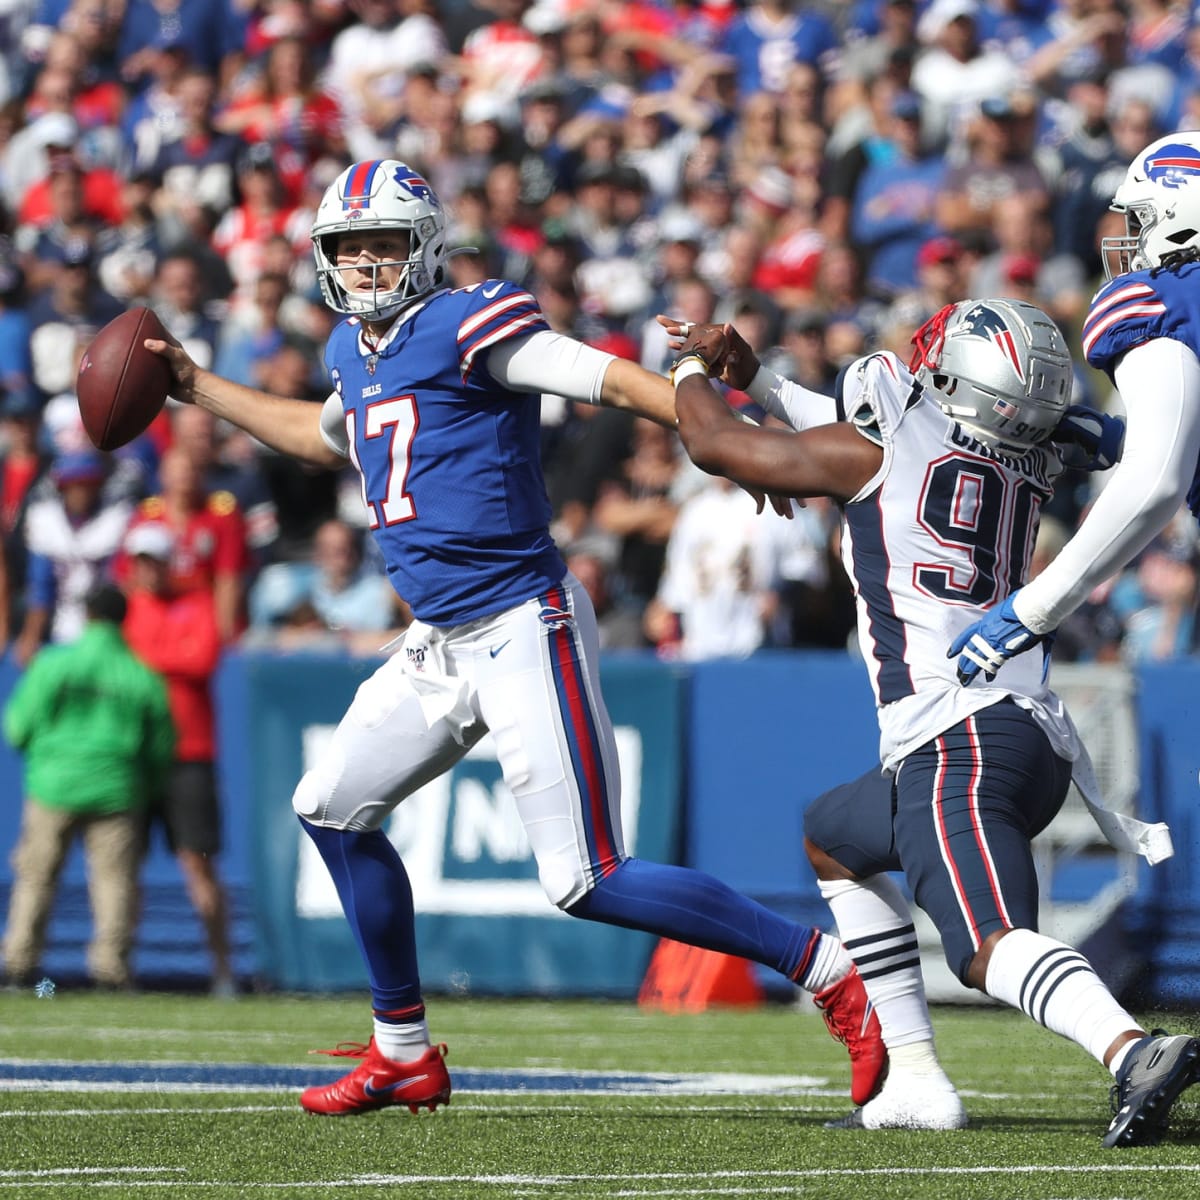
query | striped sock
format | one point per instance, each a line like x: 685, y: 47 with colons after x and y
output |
x: 876, y: 926
x: 1057, y: 987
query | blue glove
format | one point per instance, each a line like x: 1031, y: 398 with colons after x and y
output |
x: 990, y: 642
x: 1096, y: 437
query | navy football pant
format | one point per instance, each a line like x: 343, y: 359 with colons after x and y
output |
x: 957, y: 819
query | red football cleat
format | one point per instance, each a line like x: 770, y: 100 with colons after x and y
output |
x: 377, y: 1082
x: 851, y: 1018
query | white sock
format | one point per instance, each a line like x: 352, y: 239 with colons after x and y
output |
x: 402, y: 1043
x: 916, y: 1058
x: 1057, y: 987
x: 876, y: 928
x: 829, y: 963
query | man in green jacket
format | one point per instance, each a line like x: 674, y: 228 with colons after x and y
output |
x: 93, y: 724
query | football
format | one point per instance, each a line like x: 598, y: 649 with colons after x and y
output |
x: 121, y: 385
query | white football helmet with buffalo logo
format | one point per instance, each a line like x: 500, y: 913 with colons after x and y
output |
x: 1160, y: 197
x: 999, y: 367
x: 375, y: 195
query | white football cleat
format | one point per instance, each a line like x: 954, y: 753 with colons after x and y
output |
x: 909, y: 1102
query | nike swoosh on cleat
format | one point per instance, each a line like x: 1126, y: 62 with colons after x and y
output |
x: 496, y: 649
x: 389, y: 1088
x: 866, y: 1018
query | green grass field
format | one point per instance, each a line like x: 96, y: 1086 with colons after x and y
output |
x: 1037, y: 1105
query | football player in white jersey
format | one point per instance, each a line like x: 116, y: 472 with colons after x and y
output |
x: 1143, y: 330
x: 436, y: 401
x: 941, y: 468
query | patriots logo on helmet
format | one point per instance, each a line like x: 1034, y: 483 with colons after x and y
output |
x: 985, y: 322
x: 415, y: 185
x: 1173, y: 165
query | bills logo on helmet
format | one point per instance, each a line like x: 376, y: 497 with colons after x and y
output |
x: 985, y: 322
x: 411, y: 182
x: 1173, y: 165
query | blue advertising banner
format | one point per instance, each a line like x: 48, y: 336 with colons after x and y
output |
x: 483, y: 922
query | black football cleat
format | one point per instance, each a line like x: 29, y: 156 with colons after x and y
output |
x: 1152, y: 1077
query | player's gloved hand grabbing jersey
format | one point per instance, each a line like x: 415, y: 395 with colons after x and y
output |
x: 1095, y: 437
x: 991, y: 641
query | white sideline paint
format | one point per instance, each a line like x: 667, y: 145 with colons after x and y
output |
x: 123, y: 1177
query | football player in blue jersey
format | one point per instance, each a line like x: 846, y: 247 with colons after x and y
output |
x: 1143, y: 331
x: 941, y: 469
x: 436, y: 402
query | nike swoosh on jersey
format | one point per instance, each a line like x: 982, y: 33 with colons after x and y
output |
x: 496, y: 649
x: 370, y: 1089
x: 488, y: 293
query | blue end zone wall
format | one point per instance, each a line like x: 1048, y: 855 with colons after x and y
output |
x: 746, y: 743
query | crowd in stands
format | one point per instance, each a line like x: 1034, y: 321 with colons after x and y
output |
x: 824, y: 175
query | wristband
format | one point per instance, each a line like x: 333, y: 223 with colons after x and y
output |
x: 689, y: 364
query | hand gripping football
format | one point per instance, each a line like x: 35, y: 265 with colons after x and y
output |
x: 121, y: 385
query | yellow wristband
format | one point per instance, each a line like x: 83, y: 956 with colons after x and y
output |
x: 692, y: 364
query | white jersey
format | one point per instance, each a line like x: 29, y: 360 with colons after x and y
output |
x: 944, y: 531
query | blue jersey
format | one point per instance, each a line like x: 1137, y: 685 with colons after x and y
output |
x: 1139, y: 307
x: 450, y: 462
x: 1136, y: 308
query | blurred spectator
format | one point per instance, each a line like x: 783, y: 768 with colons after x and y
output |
x: 637, y: 507
x: 16, y: 363
x: 303, y: 498
x: 194, y: 169
x: 769, y: 36
x: 368, y: 64
x: 804, y: 356
x: 176, y: 635
x: 210, y: 551
x: 953, y: 74
x: 997, y: 165
x: 613, y: 281
x: 155, y: 116
x: 262, y: 212
x: 179, y: 299
x: 22, y: 465
x: 1087, y: 39
x: 288, y: 113
x: 205, y: 31
x: 792, y: 242
x: 1024, y: 255
x: 127, y: 254
x: 896, y: 199
x: 66, y: 227
x: 841, y: 286
x: 66, y: 316
x: 816, y: 597
x: 719, y: 592
x: 866, y: 59
x: 1084, y: 167
x: 1158, y: 595
x: 72, y: 538
x: 355, y: 606
x: 93, y: 726
x: 196, y: 433
x: 253, y: 331
x: 502, y: 56
x: 942, y: 266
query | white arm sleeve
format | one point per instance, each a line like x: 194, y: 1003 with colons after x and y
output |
x: 791, y: 403
x: 333, y: 425
x: 1160, y: 381
x: 549, y: 362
